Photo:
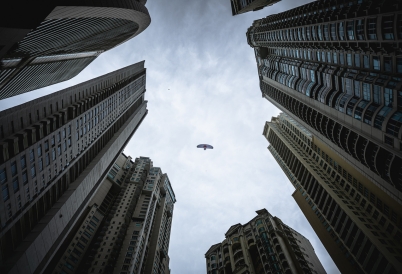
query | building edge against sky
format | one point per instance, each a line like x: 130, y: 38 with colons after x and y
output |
x: 242, y: 6
x: 54, y: 153
x: 332, y: 66
x: 355, y: 220
x: 49, y: 42
x: 126, y: 226
x: 263, y: 245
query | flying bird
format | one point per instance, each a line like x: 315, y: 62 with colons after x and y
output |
x: 205, y: 146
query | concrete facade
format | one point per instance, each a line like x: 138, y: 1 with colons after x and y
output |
x: 332, y: 66
x: 58, y: 40
x: 356, y: 221
x: 242, y: 6
x: 263, y: 245
x: 55, y: 152
x: 131, y: 232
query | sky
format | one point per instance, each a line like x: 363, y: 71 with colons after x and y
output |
x: 203, y: 87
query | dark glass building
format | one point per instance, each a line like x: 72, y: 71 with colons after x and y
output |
x: 55, y: 152
x: 242, y: 6
x: 336, y: 68
x: 62, y: 37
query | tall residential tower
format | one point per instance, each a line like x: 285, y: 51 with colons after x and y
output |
x: 47, y: 42
x: 55, y: 152
x: 336, y: 67
x: 357, y: 222
x: 263, y: 245
x: 126, y: 226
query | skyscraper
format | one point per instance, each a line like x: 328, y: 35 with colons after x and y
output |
x: 334, y: 67
x: 263, y: 245
x: 44, y: 43
x: 126, y: 228
x: 357, y: 222
x: 54, y: 153
x: 242, y: 6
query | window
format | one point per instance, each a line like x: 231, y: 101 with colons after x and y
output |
x: 359, y: 109
x: 357, y: 60
x: 388, y: 27
x: 23, y: 162
x: 47, y: 158
x: 16, y: 185
x: 33, y: 171
x: 366, y: 61
x: 333, y: 32
x: 388, y: 64
x: 394, y: 124
x: 350, y: 26
x: 87, y: 234
x: 46, y: 145
x: 341, y: 59
x: 319, y: 30
x: 326, y: 33
x: 360, y: 29
x: 376, y: 63
x: 372, y: 28
x: 399, y: 65
x: 366, y: 92
x: 335, y: 58
x: 341, y: 31
x: 379, y: 119
x: 40, y: 164
x: 349, y: 59
x: 24, y: 178
x: 80, y: 245
x: 13, y: 168
x: 389, y: 141
x: 53, y: 153
x: 39, y: 150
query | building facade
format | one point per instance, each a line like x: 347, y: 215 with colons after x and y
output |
x: 336, y: 68
x: 127, y: 227
x: 62, y: 37
x: 357, y: 222
x: 264, y: 245
x: 242, y: 6
x: 54, y: 153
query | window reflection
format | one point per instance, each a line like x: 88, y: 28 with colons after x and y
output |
x: 388, y: 27
x: 341, y: 31
x: 350, y: 30
x: 372, y: 28
x: 376, y: 62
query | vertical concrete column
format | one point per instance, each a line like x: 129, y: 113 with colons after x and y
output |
x: 231, y: 255
x: 246, y: 254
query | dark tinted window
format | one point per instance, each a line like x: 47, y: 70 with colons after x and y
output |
x: 388, y: 27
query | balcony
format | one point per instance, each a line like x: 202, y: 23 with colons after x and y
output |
x: 237, y: 251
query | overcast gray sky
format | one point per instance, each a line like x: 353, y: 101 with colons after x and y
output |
x: 200, y: 52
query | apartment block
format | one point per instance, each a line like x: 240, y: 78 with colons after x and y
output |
x: 263, y: 245
x: 47, y: 42
x: 336, y: 68
x: 357, y: 222
x: 55, y: 152
x: 127, y: 225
